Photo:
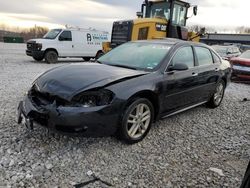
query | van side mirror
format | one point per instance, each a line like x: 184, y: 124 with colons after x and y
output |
x: 178, y: 67
x: 139, y: 14
x: 61, y: 38
x: 195, y: 10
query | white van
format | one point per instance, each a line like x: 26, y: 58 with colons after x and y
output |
x: 83, y: 43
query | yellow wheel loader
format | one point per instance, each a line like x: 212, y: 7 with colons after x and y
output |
x: 157, y: 19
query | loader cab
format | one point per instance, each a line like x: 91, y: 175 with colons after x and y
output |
x: 157, y: 19
x: 173, y: 11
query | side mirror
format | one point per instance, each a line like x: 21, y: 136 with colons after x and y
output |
x: 195, y: 10
x: 178, y: 67
x: 139, y: 14
x: 61, y: 38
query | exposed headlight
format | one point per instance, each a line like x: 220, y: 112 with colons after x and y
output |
x: 93, y: 98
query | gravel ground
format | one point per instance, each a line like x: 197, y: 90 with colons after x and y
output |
x: 198, y: 148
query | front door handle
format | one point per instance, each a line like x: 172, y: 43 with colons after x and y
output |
x: 194, y: 74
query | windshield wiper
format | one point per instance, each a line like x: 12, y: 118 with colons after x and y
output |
x: 122, y: 66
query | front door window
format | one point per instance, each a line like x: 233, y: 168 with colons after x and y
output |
x: 184, y: 56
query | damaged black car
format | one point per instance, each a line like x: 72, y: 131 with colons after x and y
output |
x: 127, y: 89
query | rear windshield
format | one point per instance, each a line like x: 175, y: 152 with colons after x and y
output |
x: 52, y: 34
x: 245, y: 55
x: 220, y: 49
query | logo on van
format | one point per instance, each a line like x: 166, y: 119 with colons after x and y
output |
x: 96, y: 38
x: 89, y: 38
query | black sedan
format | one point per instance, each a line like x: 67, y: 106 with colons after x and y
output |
x: 127, y: 89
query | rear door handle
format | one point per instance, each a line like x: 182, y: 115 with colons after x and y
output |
x: 194, y: 74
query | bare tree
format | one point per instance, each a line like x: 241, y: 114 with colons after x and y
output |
x: 199, y: 28
x: 26, y: 34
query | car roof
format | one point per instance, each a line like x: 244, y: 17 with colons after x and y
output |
x: 170, y: 41
x: 225, y: 46
x: 83, y: 30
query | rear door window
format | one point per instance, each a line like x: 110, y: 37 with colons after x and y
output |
x: 184, y: 55
x: 216, y: 58
x: 204, y: 56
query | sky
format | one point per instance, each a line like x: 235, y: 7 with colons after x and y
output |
x: 100, y: 14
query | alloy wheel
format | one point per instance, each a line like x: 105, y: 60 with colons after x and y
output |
x: 138, y: 120
x: 219, y: 93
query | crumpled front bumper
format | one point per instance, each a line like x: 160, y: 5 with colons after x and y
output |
x: 94, y: 121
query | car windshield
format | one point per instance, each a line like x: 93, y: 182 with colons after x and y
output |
x: 245, y: 55
x: 136, y: 55
x: 220, y: 49
x: 52, y: 34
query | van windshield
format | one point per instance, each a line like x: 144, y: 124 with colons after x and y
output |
x: 52, y: 34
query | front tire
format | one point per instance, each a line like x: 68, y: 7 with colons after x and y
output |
x: 218, y: 95
x: 136, y: 121
x: 51, y: 57
x: 38, y: 58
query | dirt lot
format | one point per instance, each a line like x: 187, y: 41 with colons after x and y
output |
x: 180, y: 151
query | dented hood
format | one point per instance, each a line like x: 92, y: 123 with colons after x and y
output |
x: 67, y: 81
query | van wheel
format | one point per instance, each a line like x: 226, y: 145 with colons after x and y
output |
x: 218, y: 95
x: 38, y: 58
x: 99, y: 54
x: 51, y: 57
x: 86, y: 58
x: 136, y: 121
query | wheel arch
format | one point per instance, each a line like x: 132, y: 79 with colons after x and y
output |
x: 151, y: 96
x: 51, y: 49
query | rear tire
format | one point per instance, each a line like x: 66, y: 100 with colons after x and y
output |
x: 38, y: 58
x: 51, y: 57
x: 136, y: 121
x: 218, y: 95
x: 98, y: 55
x: 86, y: 58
